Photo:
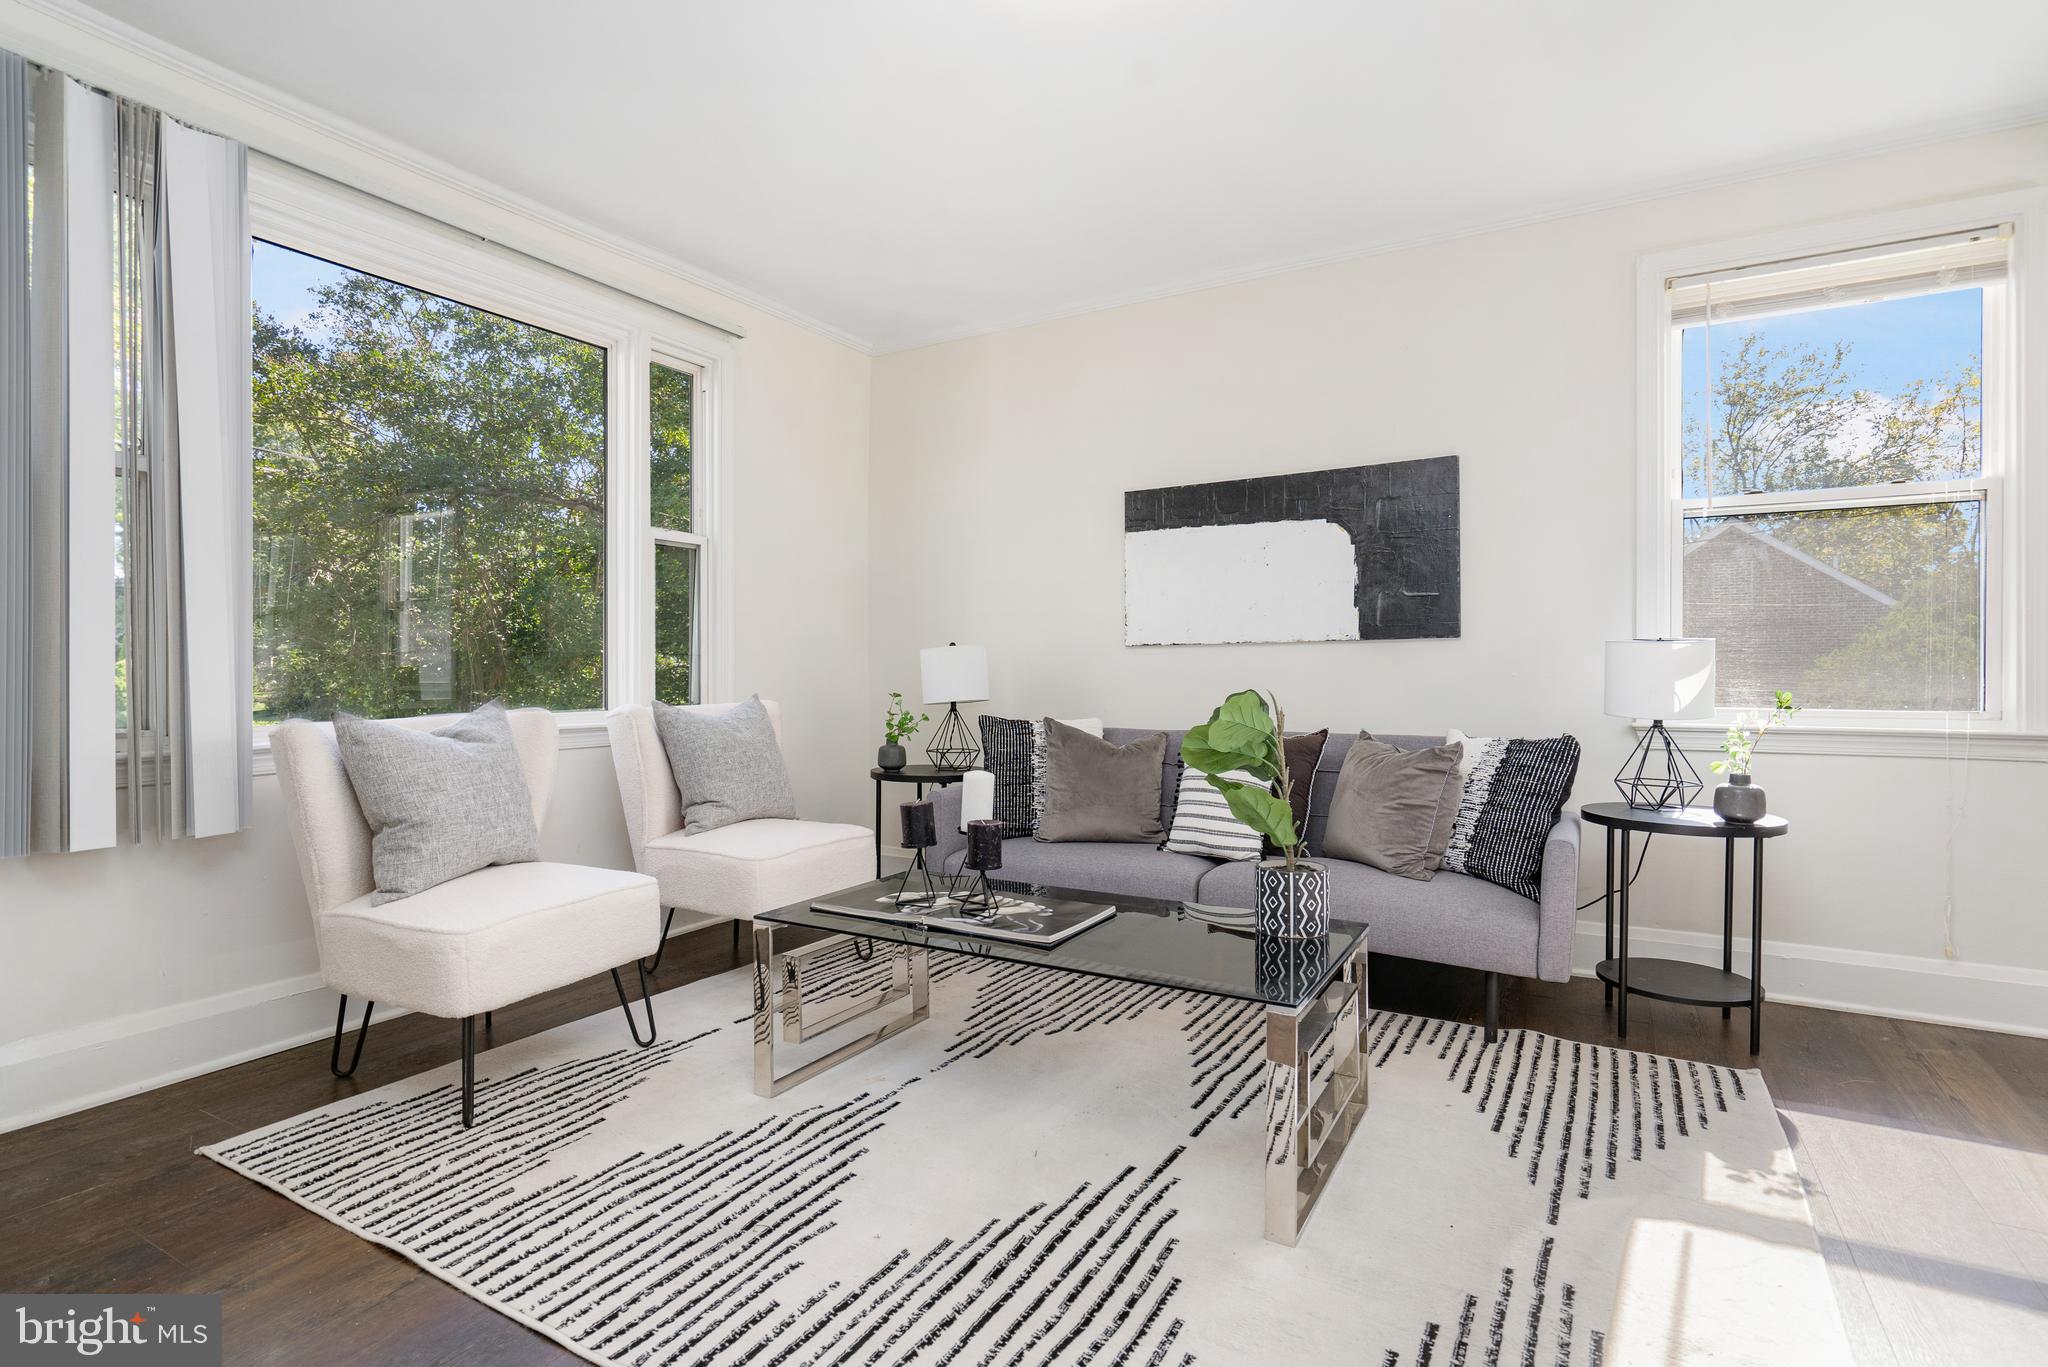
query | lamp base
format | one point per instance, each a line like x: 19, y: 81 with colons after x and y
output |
x: 952, y: 746
x: 1657, y: 776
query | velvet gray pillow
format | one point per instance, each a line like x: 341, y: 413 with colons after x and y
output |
x: 1097, y: 790
x: 727, y: 766
x: 1393, y: 808
x: 440, y: 803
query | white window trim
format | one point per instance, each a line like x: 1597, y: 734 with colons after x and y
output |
x: 297, y: 209
x: 2017, y: 578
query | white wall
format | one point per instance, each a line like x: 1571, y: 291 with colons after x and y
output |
x: 1515, y: 351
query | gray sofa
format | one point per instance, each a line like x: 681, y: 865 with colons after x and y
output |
x: 1450, y: 919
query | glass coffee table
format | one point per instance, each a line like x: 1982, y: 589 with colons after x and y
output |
x: 1313, y: 990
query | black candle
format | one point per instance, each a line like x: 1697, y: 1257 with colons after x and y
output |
x: 984, y: 845
x: 920, y: 826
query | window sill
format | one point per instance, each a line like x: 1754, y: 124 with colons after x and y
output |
x: 579, y: 731
x: 1983, y: 742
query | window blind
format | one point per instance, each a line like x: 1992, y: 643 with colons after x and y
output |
x: 1923, y: 266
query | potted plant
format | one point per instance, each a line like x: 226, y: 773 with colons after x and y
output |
x: 1739, y: 799
x: 1239, y: 751
x: 899, y: 724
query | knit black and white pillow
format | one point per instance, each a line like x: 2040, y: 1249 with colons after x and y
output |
x: 1203, y: 823
x: 1014, y: 751
x: 1512, y: 792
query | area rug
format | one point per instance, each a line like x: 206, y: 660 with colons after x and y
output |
x: 1064, y: 1170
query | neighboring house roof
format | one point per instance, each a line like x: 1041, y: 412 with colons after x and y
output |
x: 1876, y: 595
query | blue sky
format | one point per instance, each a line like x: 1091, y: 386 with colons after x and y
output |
x: 1893, y: 342
x: 284, y: 282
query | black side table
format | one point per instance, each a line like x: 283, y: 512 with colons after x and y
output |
x: 920, y: 774
x: 1674, y: 980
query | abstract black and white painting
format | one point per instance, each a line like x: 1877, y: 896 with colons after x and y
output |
x: 1366, y: 553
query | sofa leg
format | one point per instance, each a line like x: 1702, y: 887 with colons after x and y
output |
x: 649, y: 965
x: 646, y: 999
x: 468, y: 1071
x: 1492, y: 1007
x: 362, y: 1033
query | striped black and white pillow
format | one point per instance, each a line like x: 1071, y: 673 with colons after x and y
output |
x: 1203, y: 823
x: 1512, y: 791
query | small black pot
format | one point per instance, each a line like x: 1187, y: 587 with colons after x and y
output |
x: 891, y: 757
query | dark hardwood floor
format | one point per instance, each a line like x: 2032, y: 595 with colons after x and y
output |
x: 114, y: 1199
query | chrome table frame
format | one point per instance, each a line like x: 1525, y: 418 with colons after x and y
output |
x: 1315, y: 1059
x: 1308, y: 1125
x: 778, y: 991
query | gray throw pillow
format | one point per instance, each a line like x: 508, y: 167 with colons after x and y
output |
x: 1096, y: 790
x: 727, y: 765
x: 440, y: 803
x: 1393, y: 808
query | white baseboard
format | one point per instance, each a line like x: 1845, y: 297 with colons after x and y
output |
x: 64, y: 1071
x: 46, y: 1076
x: 1941, y: 991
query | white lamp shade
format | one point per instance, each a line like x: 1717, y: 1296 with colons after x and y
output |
x: 1661, y: 680
x: 954, y: 673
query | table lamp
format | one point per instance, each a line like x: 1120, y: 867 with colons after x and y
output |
x: 953, y: 674
x: 1663, y: 680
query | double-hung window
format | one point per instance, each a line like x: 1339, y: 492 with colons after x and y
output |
x: 1835, y: 439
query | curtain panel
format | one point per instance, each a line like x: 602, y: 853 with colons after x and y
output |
x: 124, y: 477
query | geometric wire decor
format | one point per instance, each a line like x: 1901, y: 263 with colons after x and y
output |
x: 952, y: 746
x: 1657, y: 775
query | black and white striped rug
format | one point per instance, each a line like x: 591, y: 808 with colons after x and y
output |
x: 1064, y: 1170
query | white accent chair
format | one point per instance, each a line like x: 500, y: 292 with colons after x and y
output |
x: 470, y: 945
x: 736, y: 871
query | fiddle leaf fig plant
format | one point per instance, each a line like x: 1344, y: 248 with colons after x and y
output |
x: 1243, y: 737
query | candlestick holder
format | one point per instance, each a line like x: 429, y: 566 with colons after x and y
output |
x: 984, y: 853
x: 920, y: 833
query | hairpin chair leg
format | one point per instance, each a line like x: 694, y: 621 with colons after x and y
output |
x: 362, y: 1033
x: 649, y: 965
x: 646, y: 998
x: 468, y: 1071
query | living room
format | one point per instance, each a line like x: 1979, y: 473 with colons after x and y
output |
x: 1642, y: 376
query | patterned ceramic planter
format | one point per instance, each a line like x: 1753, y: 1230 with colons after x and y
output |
x: 1294, y: 906
x: 891, y: 757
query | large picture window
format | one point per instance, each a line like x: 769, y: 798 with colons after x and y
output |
x: 476, y: 475
x: 430, y: 500
x: 1839, y: 452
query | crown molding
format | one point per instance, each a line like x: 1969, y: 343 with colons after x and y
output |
x: 1834, y: 154
x: 89, y: 45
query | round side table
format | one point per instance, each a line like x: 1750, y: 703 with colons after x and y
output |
x: 1674, y: 980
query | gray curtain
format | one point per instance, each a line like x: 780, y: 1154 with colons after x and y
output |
x: 149, y: 473
x: 15, y: 562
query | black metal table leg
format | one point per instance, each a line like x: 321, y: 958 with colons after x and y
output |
x: 468, y: 1071
x: 878, y: 828
x: 1607, y: 896
x: 1727, y: 911
x: 1756, y: 944
x: 1621, y: 966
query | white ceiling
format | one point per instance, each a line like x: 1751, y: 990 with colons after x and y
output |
x: 919, y: 169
